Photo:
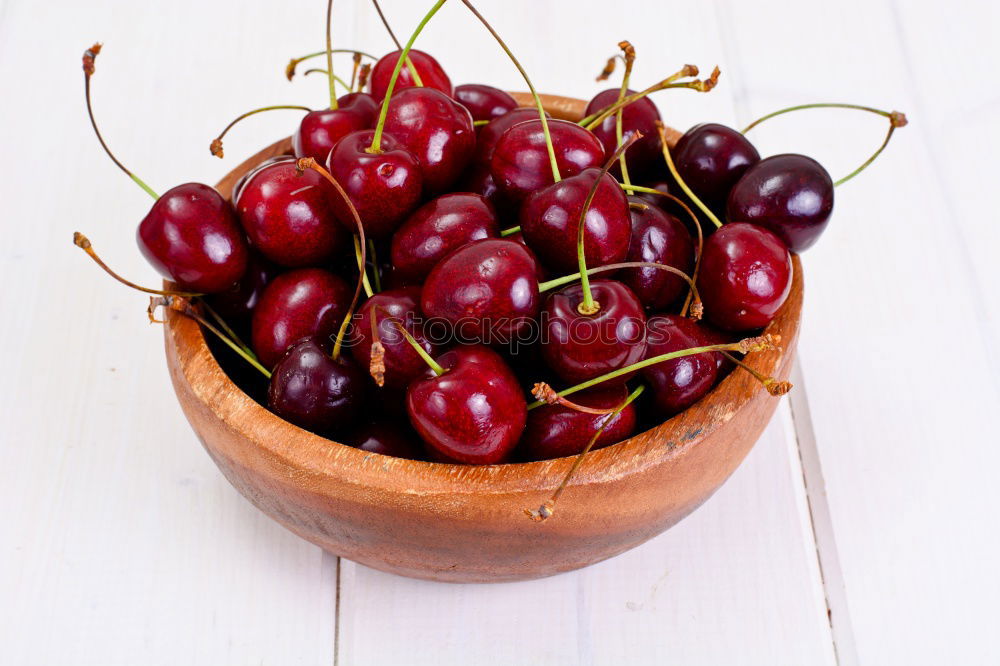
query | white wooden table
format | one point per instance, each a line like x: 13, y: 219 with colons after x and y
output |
x: 862, y: 528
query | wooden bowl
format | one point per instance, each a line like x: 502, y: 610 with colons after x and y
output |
x: 465, y: 523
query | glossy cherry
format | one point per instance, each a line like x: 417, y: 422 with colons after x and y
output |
x: 238, y: 302
x: 474, y: 412
x: 657, y: 237
x: 520, y: 163
x: 478, y: 178
x: 385, y: 187
x: 320, y: 130
x: 680, y: 382
x: 745, y: 276
x: 308, y: 302
x: 191, y: 237
x: 438, y: 227
x: 484, y: 102
x: 388, y: 440
x: 555, y: 431
x: 289, y: 215
x: 432, y: 75
x: 711, y: 158
x: 486, y: 290
x: 578, y: 347
x: 550, y: 221
x: 639, y: 116
x: 792, y: 195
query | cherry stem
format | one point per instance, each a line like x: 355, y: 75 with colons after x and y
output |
x: 294, y: 62
x: 548, y: 395
x: 392, y: 35
x: 362, y: 267
x: 417, y: 347
x: 596, y: 118
x: 546, y: 510
x: 680, y: 181
x: 216, y: 146
x: 629, y: 58
x: 375, y: 272
x: 363, y: 73
x: 538, y: 100
x: 774, y: 386
x: 356, y: 60
x: 226, y: 327
x: 754, y: 344
x: 376, y: 146
x: 319, y: 70
x: 376, y: 359
x: 89, y: 56
x: 329, y: 56
x: 84, y: 244
x: 510, y: 231
x: 310, y: 163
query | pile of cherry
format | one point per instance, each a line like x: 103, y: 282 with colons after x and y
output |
x: 432, y: 256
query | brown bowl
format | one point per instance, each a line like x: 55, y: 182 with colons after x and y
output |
x: 463, y: 523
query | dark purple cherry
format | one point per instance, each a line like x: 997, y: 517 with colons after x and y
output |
x: 520, y: 163
x: 308, y: 302
x: 191, y: 237
x: 484, y: 102
x: 792, y: 195
x: 745, y: 276
x: 474, y: 412
x: 320, y: 130
x: 660, y: 186
x: 289, y: 216
x: 555, y: 431
x: 639, y: 116
x: 486, y: 290
x: 550, y: 221
x: 710, y: 158
x: 387, y: 440
x: 657, y: 237
x: 437, y: 130
x: 438, y: 227
x: 384, y: 187
x: 402, y: 363
x: 238, y: 302
x: 578, y: 347
x: 314, y: 391
x: 680, y: 382
x: 431, y: 74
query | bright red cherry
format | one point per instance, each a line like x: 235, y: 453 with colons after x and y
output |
x: 657, y: 237
x: 555, y: 431
x: 474, y: 412
x: 320, y: 130
x: 745, y: 276
x: 711, y: 158
x: 792, y: 195
x: 484, y: 102
x: 430, y: 71
x: 388, y: 440
x: 678, y: 383
x: 238, y: 302
x: 639, y: 116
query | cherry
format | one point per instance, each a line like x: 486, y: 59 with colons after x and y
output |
x: 680, y: 382
x: 470, y: 409
x: 384, y: 186
x: 550, y: 219
x: 581, y: 346
x: 438, y: 227
x: 484, y: 102
x: 313, y: 390
x: 487, y: 290
x: 386, y: 439
x: 479, y: 178
x: 428, y: 69
x: 297, y: 304
x: 745, y: 276
x: 639, y: 116
x: 555, y: 431
x: 711, y: 158
x: 791, y: 195
x: 661, y: 238
x: 391, y: 309
x: 238, y: 302
x: 289, y: 216
x: 520, y: 164
x: 320, y: 130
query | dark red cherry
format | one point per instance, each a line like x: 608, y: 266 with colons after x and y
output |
x: 238, y: 302
x: 437, y: 130
x: 520, y: 162
x: 402, y: 363
x: 438, y: 227
x: 298, y: 304
x: 657, y: 237
x: 554, y: 431
x: 486, y: 290
x: 430, y: 71
x: 660, y: 186
x: 678, y: 383
x: 320, y: 130
x: 639, y: 116
x: 473, y: 413
x: 289, y: 216
x: 484, y: 102
x: 745, y: 276
x: 710, y: 158
x: 579, y: 347
x: 550, y: 221
x: 792, y: 195
x: 478, y: 177
x: 314, y: 391
x: 384, y: 187
x: 191, y: 237
x: 387, y: 440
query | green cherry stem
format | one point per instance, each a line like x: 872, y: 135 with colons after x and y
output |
x: 421, y: 352
x: 216, y: 146
x: 392, y: 35
x: 226, y: 327
x: 534, y: 95
x: 375, y: 272
x: 84, y: 244
x: 774, y: 386
x: 680, y: 181
x: 184, y: 307
x: 329, y: 56
x: 89, y: 56
x: 566, y: 279
x: 294, y: 62
x: 510, y: 231
x: 629, y: 59
x: 319, y: 70
x: 376, y: 146
x: 362, y: 267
